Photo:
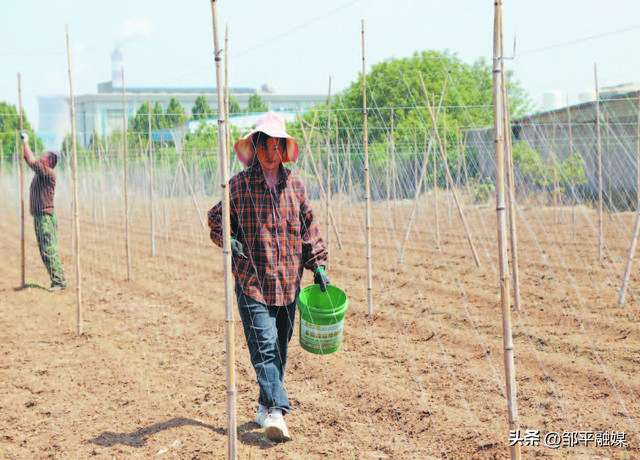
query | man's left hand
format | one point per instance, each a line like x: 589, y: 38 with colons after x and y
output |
x: 320, y: 277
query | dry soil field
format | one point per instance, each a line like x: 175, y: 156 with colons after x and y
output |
x: 421, y: 378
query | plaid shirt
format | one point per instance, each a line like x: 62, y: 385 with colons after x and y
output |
x: 278, y: 233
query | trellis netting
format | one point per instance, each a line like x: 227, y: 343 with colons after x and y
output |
x: 423, y: 375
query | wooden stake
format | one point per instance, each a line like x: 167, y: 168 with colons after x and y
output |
x: 598, y: 146
x: 2, y: 185
x: 435, y: 197
x: 315, y: 169
x: 573, y: 191
x: 393, y: 175
x: 76, y: 203
x: 632, y: 250
x: 555, y: 175
x: 226, y: 246
x: 638, y: 157
x: 151, y: 198
x: 328, y: 202
x: 449, y: 184
x: 125, y: 168
x: 448, y: 176
x: 423, y: 174
x: 23, y: 283
x: 511, y: 197
x: 498, y: 117
x: 636, y: 228
x: 226, y: 93
x: 367, y: 186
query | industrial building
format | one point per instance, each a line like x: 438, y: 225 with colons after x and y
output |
x: 102, y: 112
x: 557, y: 133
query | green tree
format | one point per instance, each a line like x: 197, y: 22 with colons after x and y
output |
x: 234, y: 106
x: 201, y: 109
x: 256, y: 104
x: 160, y: 118
x: 528, y: 163
x: 572, y: 171
x: 139, y: 124
x: 396, y: 83
x: 175, y: 113
x: 10, y: 130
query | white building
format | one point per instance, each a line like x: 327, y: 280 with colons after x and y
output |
x: 102, y: 112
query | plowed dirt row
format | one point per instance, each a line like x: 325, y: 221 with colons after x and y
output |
x: 421, y: 378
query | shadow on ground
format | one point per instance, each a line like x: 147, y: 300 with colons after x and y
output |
x: 30, y: 286
x: 139, y: 437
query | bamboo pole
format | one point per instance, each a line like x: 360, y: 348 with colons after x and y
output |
x: 598, y: 146
x: 16, y: 173
x: 125, y: 168
x: 555, y: 175
x: 76, y: 203
x: 435, y: 198
x: 23, y: 283
x: 328, y: 202
x: 608, y: 156
x: 423, y: 174
x: 459, y: 155
x: 448, y: 176
x: 226, y: 93
x: 511, y: 196
x: 449, y: 184
x: 317, y: 174
x: 367, y: 186
x: 638, y: 157
x: 636, y: 228
x: 2, y: 185
x: 415, y: 156
x: 181, y: 167
x: 632, y: 250
x: 151, y: 179
x: 498, y: 117
x: 226, y: 246
x: 393, y: 175
x: 573, y: 191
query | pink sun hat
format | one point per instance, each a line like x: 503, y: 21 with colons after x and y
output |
x: 272, y: 125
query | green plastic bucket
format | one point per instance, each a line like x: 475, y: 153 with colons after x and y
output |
x: 321, y: 318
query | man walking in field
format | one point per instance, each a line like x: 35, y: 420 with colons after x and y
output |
x: 41, y: 195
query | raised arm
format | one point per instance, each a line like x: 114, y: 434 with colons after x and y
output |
x: 29, y: 157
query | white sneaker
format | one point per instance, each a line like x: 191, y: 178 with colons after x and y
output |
x: 275, y: 429
x: 261, y: 415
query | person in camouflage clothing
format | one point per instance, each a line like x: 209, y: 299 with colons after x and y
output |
x: 41, y: 206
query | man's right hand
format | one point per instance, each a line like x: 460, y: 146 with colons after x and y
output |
x: 236, y: 249
x: 24, y: 135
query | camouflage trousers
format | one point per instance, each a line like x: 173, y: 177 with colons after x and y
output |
x: 46, y: 226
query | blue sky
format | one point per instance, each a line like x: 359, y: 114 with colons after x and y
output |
x: 296, y: 46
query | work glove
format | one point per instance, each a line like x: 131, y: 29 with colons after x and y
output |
x: 24, y: 135
x: 236, y: 249
x: 321, y: 278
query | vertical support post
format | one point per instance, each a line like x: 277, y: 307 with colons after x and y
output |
x: 125, y: 167
x: 498, y: 117
x: 151, y: 200
x: 2, y: 185
x: 23, y: 283
x: 599, y: 149
x: 393, y: 175
x: 76, y: 203
x: 226, y: 245
x: 328, y: 186
x: 367, y: 186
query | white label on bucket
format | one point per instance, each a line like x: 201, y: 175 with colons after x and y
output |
x: 321, y: 336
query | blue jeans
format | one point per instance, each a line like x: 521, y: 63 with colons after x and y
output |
x: 268, y: 330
